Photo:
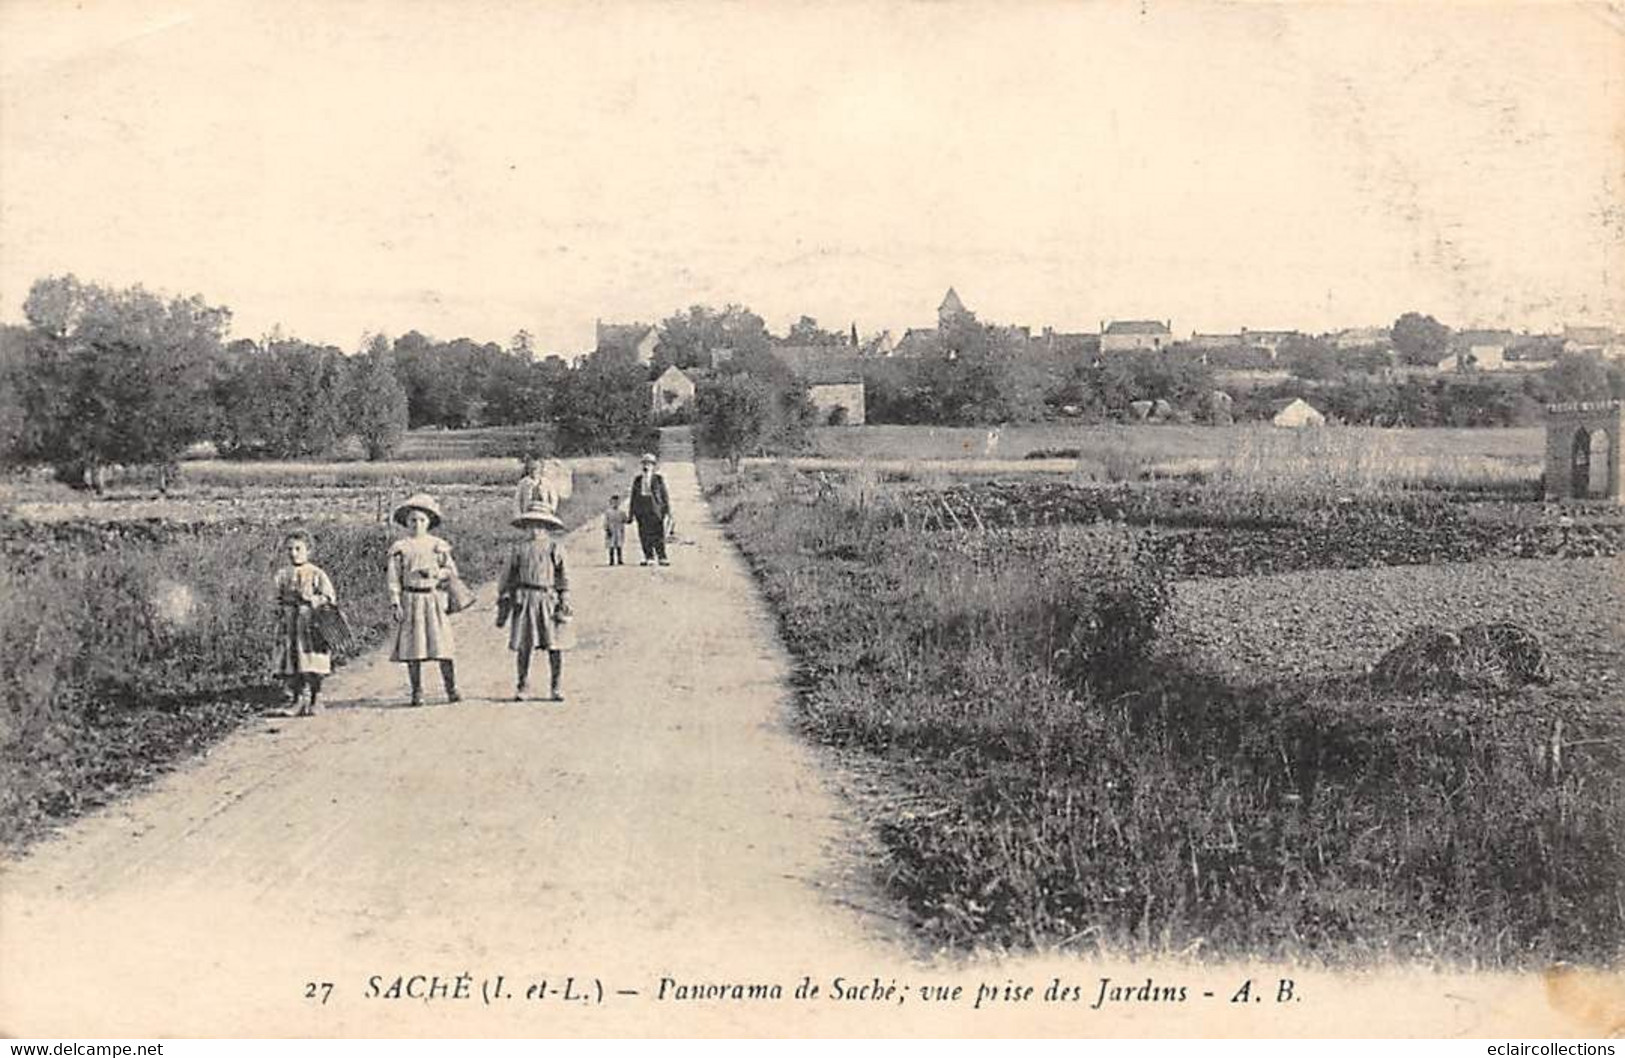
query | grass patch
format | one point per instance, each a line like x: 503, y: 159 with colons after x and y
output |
x: 1045, y: 799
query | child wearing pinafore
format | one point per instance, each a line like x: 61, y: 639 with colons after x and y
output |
x: 419, y: 567
x: 534, y: 599
x: 300, y: 587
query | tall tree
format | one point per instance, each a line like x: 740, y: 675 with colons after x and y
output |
x: 379, y: 408
x: 522, y: 346
x: 688, y: 339
x: 602, y: 406
x: 114, y: 376
x: 735, y: 415
x: 806, y: 331
x: 285, y: 400
x: 1576, y: 376
x: 1420, y: 340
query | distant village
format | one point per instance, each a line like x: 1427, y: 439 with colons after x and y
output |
x: 832, y: 369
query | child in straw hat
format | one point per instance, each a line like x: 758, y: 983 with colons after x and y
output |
x: 534, y: 599
x: 419, y: 567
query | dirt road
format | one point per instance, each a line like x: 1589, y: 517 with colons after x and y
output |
x: 662, y: 821
x: 661, y: 830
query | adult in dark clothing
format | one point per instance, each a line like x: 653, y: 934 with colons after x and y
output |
x: 651, y: 505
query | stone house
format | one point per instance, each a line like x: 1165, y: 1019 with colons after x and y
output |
x: 638, y: 339
x: 1214, y: 341
x: 833, y: 375
x: 672, y: 392
x: 1122, y: 336
x: 1600, y: 341
x: 1478, y: 351
x: 1362, y: 338
x: 1270, y: 341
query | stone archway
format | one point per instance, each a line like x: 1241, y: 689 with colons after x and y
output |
x: 1583, y: 461
x: 1580, y: 464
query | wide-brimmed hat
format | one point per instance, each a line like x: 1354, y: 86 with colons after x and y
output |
x: 649, y: 457
x: 421, y: 501
x: 538, y: 513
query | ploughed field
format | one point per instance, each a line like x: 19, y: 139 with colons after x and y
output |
x: 1137, y: 718
x: 1324, y: 622
x: 1237, y: 531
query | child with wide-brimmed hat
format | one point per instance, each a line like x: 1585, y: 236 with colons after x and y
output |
x: 534, y: 598
x: 419, y: 567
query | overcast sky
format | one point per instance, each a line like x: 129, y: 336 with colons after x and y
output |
x: 476, y: 168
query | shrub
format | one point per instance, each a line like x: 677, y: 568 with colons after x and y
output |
x: 1121, y: 461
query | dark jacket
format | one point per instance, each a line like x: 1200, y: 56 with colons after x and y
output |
x: 656, y: 503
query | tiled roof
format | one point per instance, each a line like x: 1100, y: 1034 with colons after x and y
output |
x: 821, y: 363
x: 1137, y: 327
x: 1472, y: 338
x: 622, y: 335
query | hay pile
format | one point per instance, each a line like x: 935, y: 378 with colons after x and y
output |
x: 1500, y: 655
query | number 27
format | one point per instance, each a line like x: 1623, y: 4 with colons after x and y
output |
x: 323, y: 988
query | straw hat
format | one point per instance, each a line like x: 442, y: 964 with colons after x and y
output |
x: 538, y: 513
x: 649, y: 457
x: 421, y: 501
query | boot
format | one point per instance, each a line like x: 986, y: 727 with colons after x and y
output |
x: 521, y: 676
x: 414, y: 673
x: 448, y: 676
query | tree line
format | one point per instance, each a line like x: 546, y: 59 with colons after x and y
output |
x: 973, y: 373
x: 100, y: 376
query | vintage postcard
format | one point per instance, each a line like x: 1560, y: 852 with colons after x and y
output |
x: 900, y: 519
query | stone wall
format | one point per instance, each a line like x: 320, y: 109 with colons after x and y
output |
x: 828, y: 396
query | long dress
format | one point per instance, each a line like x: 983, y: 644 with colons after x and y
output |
x: 534, y: 576
x: 298, y: 590
x: 418, y: 566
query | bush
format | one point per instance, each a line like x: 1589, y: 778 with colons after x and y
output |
x: 1122, y: 461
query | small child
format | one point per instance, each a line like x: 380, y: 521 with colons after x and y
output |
x: 615, y: 519
x: 300, y: 587
x: 533, y: 599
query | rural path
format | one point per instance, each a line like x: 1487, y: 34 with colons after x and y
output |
x: 664, y: 821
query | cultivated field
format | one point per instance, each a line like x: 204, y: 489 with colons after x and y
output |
x: 1134, y: 712
x: 1158, y: 441
x: 1248, y: 451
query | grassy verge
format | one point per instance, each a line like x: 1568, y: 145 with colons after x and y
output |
x: 130, y: 645
x: 1064, y: 779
